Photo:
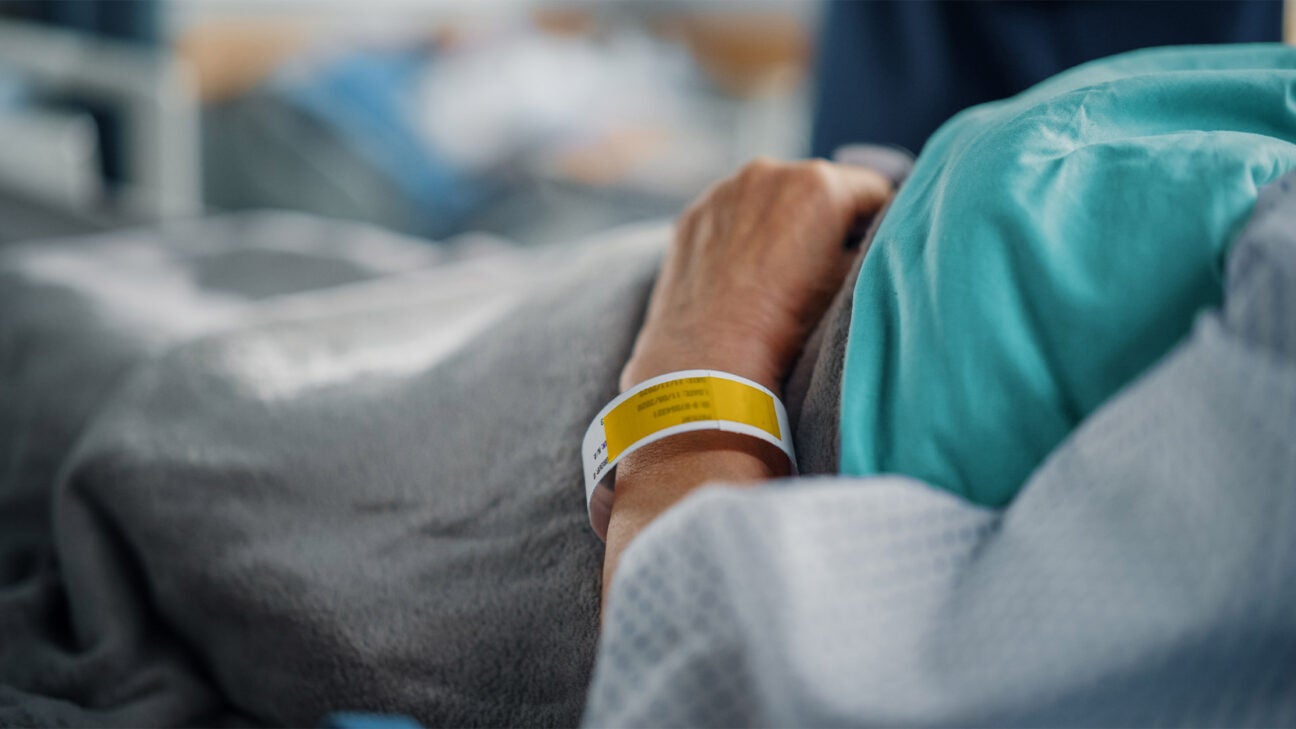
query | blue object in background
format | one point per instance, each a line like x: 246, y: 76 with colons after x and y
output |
x: 892, y: 72
x: 357, y: 720
x: 367, y: 98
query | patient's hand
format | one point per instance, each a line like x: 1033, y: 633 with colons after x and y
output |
x: 754, y: 264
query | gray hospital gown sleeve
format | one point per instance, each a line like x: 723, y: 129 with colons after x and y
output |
x: 1146, y: 575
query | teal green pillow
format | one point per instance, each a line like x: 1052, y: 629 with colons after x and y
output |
x: 1049, y: 248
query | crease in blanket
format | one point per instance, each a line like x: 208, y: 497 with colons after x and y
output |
x: 72, y: 325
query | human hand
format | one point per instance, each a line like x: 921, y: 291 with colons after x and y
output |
x: 754, y: 264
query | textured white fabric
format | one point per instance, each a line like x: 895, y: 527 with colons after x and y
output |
x: 1145, y: 576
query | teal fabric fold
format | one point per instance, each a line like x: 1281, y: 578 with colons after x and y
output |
x: 1049, y: 248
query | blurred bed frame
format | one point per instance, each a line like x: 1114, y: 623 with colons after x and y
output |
x: 52, y: 162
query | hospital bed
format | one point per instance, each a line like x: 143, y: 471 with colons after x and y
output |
x: 98, y: 133
x: 279, y: 458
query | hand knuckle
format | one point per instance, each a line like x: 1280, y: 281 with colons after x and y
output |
x: 686, y: 223
x: 756, y: 168
x: 820, y: 166
x: 816, y: 172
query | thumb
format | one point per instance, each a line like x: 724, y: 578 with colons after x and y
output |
x: 862, y: 191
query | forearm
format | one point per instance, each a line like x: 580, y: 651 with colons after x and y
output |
x: 655, y: 477
x: 753, y: 265
x: 652, y: 479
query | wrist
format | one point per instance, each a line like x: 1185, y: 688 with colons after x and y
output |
x: 638, y: 369
x: 653, y: 357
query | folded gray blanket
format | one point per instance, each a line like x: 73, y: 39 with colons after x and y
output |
x: 260, y: 469
x: 79, y: 646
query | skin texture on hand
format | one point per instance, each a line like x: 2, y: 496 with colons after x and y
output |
x: 753, y: 266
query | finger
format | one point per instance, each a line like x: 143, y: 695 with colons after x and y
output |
x: 862, y: 191
x: 865, y: 192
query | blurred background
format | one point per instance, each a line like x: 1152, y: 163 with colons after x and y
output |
x: 535, y: 120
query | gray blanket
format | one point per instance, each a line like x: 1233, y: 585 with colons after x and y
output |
x: 259, y: 469
x: 256, y: 469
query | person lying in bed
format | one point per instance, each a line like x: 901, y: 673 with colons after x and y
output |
x: 259, y: 470
x: 991, y: 319
x: 1070, y: 379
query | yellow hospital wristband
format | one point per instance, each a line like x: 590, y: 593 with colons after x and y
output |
x: 676, y: 402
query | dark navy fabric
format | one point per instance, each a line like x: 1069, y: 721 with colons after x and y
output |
x: 891, y: 72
